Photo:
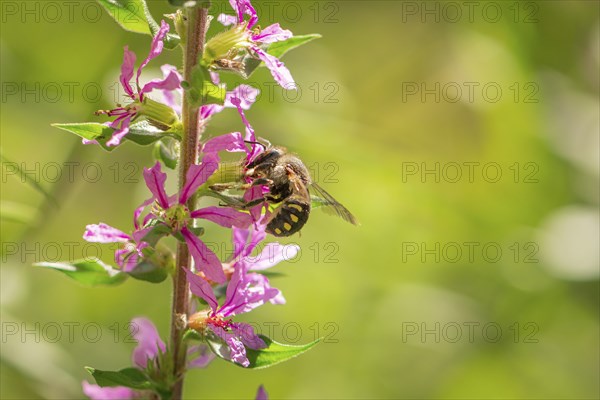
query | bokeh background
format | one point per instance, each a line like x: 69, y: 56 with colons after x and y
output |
x: 455, y: 286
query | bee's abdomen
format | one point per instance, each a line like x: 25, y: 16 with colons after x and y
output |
x: 290, y: 218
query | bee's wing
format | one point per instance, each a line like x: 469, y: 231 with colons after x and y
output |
x: 331, y: 205
x: 300, y: 188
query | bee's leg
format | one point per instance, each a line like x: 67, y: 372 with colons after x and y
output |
x: 220, y: 187
x: 253, y: 203
x: 262, y: 181
x: 273, y: 199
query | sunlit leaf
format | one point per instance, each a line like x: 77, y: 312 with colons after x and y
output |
x: 132, y: 15
x: 90, y: 272
x: 278, y: 49
x: 142, y: 133
x: 274, y: 353
x: 128, y: 377
x: 149, y: 272
x: 200, y: 90
x: 166, y: 152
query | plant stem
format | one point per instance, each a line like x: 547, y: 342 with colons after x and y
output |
x: 196, y: 31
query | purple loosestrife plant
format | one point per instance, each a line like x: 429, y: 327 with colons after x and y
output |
x: 174, y: 123
x: 157, y: 113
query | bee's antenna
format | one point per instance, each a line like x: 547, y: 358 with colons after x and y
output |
x: 258, y: 143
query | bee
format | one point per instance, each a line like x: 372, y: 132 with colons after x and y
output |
x: 289, y: 184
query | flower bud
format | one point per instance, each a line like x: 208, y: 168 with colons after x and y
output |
x: 158, y: 114
x: 225, y: 45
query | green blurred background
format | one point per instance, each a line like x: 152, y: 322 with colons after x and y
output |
x: 405, y: 315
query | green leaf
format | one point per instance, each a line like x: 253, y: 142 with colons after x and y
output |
x: 196, y: 230
x: 90, y: 131
x: 128, y: 377
x: 278, y: 49
x: 142, y: 133
x: 149, y: 272
x: 274, y: 353
x: 166, y: 152
x: 90, y: 272
x: 159, y: 231
x: 200, y: 90
x: 132, y: 15
x: 192, y: 334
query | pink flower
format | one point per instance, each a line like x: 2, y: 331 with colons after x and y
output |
x: 128, y: 256
x: 246, y: 291
x: 149, y: 348
x: 173, y: 212
x: 246, y: 93
x: 243, y: 294
x: 262, y: 394
x: 253, y: 39
x: 235, y: 142
x: 96, y: 392
x: 142, y: 105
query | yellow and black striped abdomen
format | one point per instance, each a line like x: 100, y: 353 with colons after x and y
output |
x: 289, y: 218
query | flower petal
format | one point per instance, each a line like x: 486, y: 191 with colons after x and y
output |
x: 149, y: 341
x: 279, y: 71
x: 258, y: 235
x: 95, y: 392
x: 214, y: 77
x: 205, y: 356
x: 245, y: 93
x: 138, y: 211
x: 209, y: 110
x: 232, y: 142
x: 242, y: 7
x: 127, y: 258
x: 227, y: 20
x: 202, y: 289
x: 171, y: 82
x: 260, y: 291
x: 237, y: 102
x: 204, y: 259
x: 240, y: 238
x: 254, y: 193
x: 246, y: 333
x: 102, y: 233
x: 224, y: 216
x: 235, y: 294
x: 169, y: 95
x: 155, y: 180
x: 197, y: 175
x: 261, y: 394
x: 272, y: 33
x: 273, y: 254
x: 120, y: 133
x: 237, y: 351
x: 127, y: 71
x: 155, y: 48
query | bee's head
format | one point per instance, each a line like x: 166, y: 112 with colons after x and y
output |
x: 265, y: 161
